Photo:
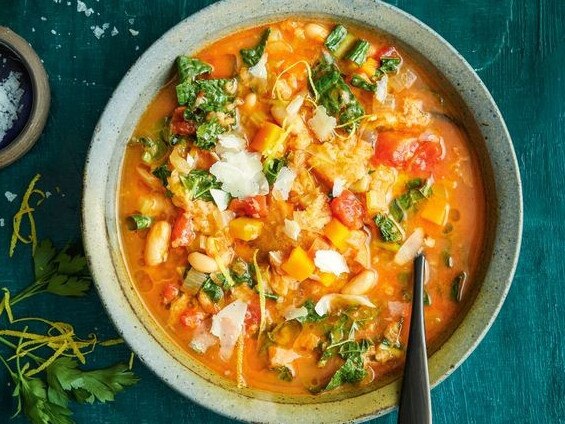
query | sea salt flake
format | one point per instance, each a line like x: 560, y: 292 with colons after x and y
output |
x: 105, y: 26
x: 133, y: 32
x: 82, y: 7
x: 114, y: 32
x: 53, y: 32
x: 131, y: 21
x: 47, y: 194
x: 1, y: 222
x: 43, y: 18
x: 98, y: 32
x: 11, y: 94
x: 10, y: 196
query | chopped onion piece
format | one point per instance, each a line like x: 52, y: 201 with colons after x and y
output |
x: 241, y: 174
x: 293, y: 313
x: 410, y: 247
x: 227, y: 326
x: 329, y: 302
x: 330, y: 261
x: 382, y: 88
x: 322, y: 124
x: 339, y: 186
x: 398, y: 308
x: 259, y: 70
x: 284, y: 181
x: 295, y: 105
x: 291, y: 229
x: 221, y: 198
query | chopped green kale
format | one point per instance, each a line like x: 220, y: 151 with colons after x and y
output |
x: 198, y: 184
x: 252, y: 55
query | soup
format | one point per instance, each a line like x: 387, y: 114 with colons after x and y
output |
x: 274, y: 196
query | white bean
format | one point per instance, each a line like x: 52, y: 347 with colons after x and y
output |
x: 157, y: 243
x: 202, y: 263
x: 361, y: 283
x: 316, y: 32
x: 250, y: 101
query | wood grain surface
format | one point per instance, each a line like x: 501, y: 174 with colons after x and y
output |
x: 516, y: 375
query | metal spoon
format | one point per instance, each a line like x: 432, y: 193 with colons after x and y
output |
x: 415, y: 403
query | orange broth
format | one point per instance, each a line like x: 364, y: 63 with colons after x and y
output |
x: 451, y: 246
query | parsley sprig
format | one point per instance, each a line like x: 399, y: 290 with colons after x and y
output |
x: 46, y: 384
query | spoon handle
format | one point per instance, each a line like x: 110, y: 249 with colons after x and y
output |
x: 415, y: 403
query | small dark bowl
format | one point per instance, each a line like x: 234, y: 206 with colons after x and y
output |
x: 19, y: 56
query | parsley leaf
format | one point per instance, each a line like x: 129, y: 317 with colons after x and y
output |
x: 162, y: 172
x: 252, y: 55
x: 64, y: 377
x: 284, y: 373
x: 36, y: 405
x: 352, y: 371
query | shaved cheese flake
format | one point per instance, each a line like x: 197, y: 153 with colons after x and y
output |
x: 259, y: 70
x: 410, y: 247
x: 291, y: 229
x: 230, y: 142
x: 284, y: 181
x: 339, y: 186
x: 283, y: 357
x: 332, y: 301
x: 221, y: 198
x: 293, y: 313
x: 330, y: 261
x: 227, y: 326
x: 276, y: 257
x: 322, y: 124
x: 241, y: 174
x: 382, y: 89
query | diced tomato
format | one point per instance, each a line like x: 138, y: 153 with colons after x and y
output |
x: 183, y: 231
x: 170, y: 293
x: 425, y: 157
x: 387, y: 52
x: 348, y: 209
x: 253, y: 314
x: 179, y: 125
x: 191, y: 317
x: 395, y: 148
x: 255, y: 206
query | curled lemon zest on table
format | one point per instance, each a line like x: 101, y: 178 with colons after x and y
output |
x: 26, y: 209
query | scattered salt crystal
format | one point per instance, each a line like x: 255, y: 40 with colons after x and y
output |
x: 53, y: 32
x: 47, y: 194
x: 1, y: 222
x: 114, y: 32
x: 43, y: 18
x: 32, y: 29
x: 82, y: 7
x: 98, y: 32
x: 69, y: 3
x: 10, y: 96
x: 10, y: 196
x: 105, y: 26
x: 133, y: 32
x: 131, y: 21
x: 136, y: 48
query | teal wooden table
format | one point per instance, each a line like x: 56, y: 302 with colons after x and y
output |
x: 516, y: 375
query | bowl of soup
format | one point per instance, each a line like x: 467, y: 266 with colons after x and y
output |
x: 258, y: 187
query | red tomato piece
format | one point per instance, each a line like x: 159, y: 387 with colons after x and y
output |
x: 179, y: 125
x: 348, y: 209
x: 191, y: 318
x: 395, y: 148
x: 170, y: 293
x: 255, y: 206
x: 183, y: 231
x: 253, y: 314
x: 387, y: 52
x: 426, y: 157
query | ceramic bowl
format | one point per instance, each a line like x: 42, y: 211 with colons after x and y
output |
x: 102, y: 241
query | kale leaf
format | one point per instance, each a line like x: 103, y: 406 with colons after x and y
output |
x: 312, y: 314
x: 335, y: 38
x: 207, y: 134
x: 190, y: 67
x: 252, y: 55
x: 198, y: 183
x: 272, y: 167
x: 162, y: 172
x: 334, y: 94
x: 390, y: 232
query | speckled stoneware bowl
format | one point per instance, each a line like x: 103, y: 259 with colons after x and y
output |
x: 102, y: 242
